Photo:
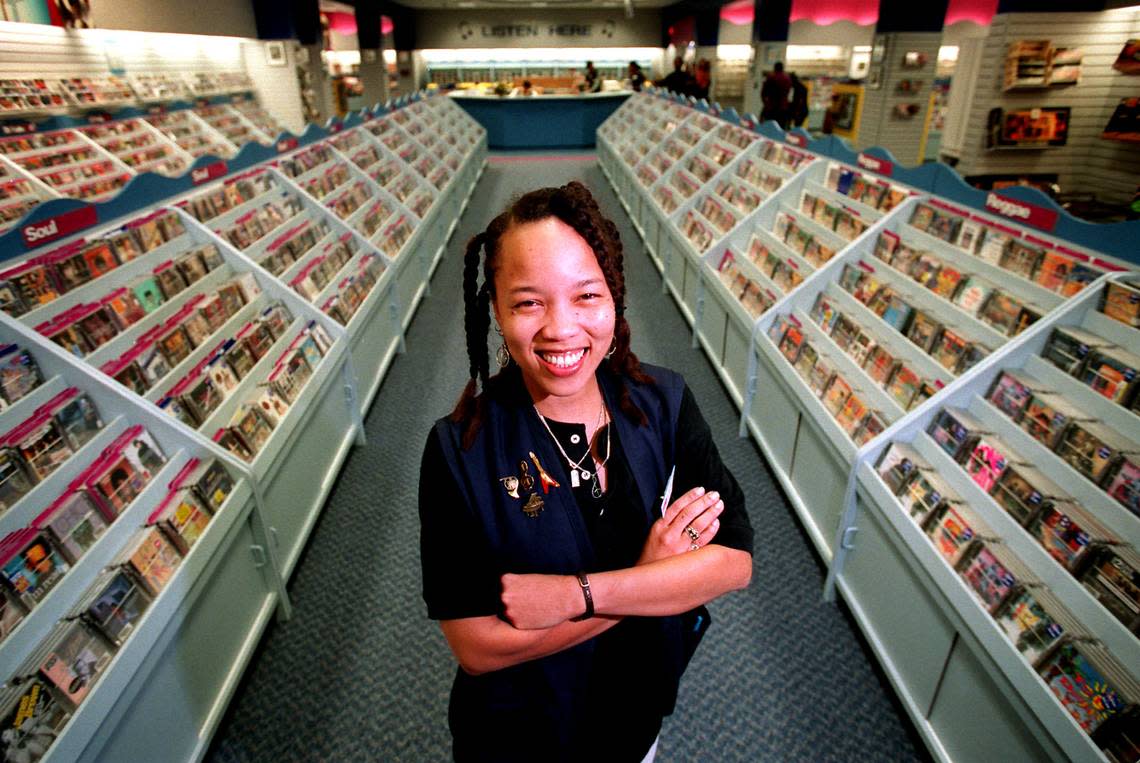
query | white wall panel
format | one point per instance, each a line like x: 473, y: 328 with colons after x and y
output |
x: 1088, y: 162
x: 217, y: 17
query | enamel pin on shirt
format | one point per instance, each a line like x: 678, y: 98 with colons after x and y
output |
x: 511, y: 484
x: 534, y: 503
x: 547, y: 481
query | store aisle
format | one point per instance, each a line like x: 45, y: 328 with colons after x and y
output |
x: 359, y: 673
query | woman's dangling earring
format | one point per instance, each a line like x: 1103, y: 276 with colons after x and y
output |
x: 613, y: 349
x: 503, y: 355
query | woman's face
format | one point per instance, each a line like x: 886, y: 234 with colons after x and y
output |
x: 554, y: 307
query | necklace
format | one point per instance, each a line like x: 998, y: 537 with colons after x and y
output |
x: 577, y: 473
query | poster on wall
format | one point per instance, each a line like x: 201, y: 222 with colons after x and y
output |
x: 1042, y: 127
x: 1125, y: 121
x: 849, y: 107
x: 1129, y: 59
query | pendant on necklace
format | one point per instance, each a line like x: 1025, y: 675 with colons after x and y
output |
x: 585, y: 474
x: 596, y: 491
x: 574, y: 478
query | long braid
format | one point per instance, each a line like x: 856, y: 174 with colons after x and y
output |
x: 475, y: 329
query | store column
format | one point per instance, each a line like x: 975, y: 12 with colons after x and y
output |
x: 769, y: 45
x: 372, y: 73
x: 706, y: 29
x: 904, y: 62
x: 404, y: 42
x: 316, y: 85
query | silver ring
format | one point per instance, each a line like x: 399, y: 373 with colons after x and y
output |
x: 694, y: 547
x: 693, y: 534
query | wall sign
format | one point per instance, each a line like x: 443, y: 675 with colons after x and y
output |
x: 534, y: 27
x: 1022, y: 211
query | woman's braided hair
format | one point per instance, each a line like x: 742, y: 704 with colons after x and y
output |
x: 574, y: 205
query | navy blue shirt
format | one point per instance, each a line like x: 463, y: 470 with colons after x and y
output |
x: 461, y: 579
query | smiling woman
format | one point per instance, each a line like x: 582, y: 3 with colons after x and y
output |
x: 567, y: 581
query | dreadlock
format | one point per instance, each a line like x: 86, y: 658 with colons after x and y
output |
x: 574, y: 205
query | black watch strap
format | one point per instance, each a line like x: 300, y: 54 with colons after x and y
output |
x: 584, y: 582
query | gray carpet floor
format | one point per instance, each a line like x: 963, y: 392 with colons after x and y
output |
x: 359, y: 673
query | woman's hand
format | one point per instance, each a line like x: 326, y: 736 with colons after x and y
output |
x: 531, y: 602
x: 670, y: 535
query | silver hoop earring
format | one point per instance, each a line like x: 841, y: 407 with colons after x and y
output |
x: 613, y: 349
x: 498, y: 330
x: 503, y: 355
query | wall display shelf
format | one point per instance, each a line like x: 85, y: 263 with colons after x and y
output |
x: 68, y: 162
x: 849, y: 312
x: 158, y: 87
x: 38, y: 96
x: 31, y: 95
x: 217, y: 83
x: 192, y: 134
x: 87, y: 536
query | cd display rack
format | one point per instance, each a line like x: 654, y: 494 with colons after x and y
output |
x: 192, y: 134
x: 1044, y: 581
x: 75, y: 538
x: 189, y: 320
x: 68, y: 162
x: 849, y: 314
x: 231, y: 123
x: 140, y: 146
x: 19, y: 192
x: 255, y: 114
